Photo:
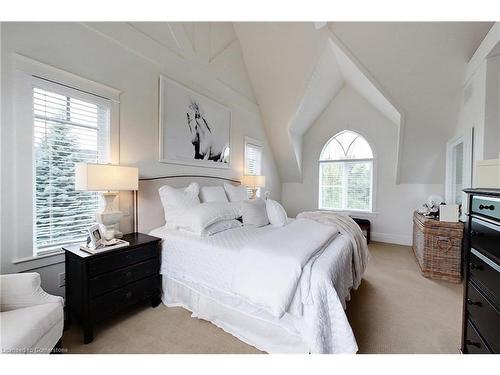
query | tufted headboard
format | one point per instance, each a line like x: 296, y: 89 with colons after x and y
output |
x: 149, y: 210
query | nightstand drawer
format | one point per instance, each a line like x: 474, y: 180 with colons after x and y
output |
x: 110, y: 303
x: 122, y: 276
x: 107, y: 263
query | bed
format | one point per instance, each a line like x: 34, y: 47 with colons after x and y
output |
x: 200, y: 274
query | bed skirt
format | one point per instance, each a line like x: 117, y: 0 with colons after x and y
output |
x: 263, y: 335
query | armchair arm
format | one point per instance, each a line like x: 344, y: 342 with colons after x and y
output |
x: 22, y: 290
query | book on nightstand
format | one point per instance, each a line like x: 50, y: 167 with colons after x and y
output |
x: 115, y: 244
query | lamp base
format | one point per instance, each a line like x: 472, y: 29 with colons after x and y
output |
x: 254, y: 193
x: 110, y: 217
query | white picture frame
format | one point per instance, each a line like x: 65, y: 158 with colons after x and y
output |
x: 193, y: 129
x: 96, y: 236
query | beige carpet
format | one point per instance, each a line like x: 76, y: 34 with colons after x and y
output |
x: 395, y: 310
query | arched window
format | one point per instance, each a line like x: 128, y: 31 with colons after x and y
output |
x: 346, y: 173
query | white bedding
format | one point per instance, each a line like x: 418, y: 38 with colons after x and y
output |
x: 269, y: 267
x: 207, y: 266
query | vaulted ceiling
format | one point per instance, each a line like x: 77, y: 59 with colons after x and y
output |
x: 296, y: 70
x: 212, y: 44
x: 411, y: 72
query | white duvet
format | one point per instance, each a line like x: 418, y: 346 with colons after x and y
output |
x: 303, y: 290
x: 269, y: 267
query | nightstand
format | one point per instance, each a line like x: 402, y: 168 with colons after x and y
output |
x: 99, y: 286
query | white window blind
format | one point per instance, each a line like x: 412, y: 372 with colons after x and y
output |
x: 69, y: 127
x: 346, y: 173
x: 253, y: 161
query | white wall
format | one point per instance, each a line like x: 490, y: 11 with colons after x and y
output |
x: 492, y: 110
x: 393, y: 204
x: 119, y: 56
x: 480, y: 110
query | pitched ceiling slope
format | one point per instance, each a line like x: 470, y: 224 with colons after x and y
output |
x: 211, y: 44
x: 423, y: 65
x: 296, y: 70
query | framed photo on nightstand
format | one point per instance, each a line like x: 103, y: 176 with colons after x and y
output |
x: 95, y: 237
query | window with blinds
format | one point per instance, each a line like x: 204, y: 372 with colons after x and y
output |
x: 346, y: 173
x: 70, y: 127
x: 253, y: 161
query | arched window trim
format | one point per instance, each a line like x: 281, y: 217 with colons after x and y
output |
x: 334, y: 138
x: 359, y: 212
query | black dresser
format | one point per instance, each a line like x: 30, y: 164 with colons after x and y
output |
x: 481, y: 312
x: 101, y: 285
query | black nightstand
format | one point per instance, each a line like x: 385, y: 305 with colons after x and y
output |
x: 99, y: 286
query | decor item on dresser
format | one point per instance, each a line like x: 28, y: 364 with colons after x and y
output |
x: 194, y: 130
x: 438, y: 248
x: 108, y: 179
x: 253, y: 182
x: 99, y: 286
x: 481, y: 308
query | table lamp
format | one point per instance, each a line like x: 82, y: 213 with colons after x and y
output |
x: 107, y: 179
x: 253, y: 182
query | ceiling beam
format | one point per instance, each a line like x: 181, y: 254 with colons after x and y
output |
x: 181, y: 39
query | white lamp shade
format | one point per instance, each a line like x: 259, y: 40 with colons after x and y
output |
x: 254, y: 181
x: 105, y: 177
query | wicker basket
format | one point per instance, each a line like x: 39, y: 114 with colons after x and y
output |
x: 438, y: 248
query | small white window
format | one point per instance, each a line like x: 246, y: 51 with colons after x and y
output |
x: 346, y: 173
x: 253, y: 160
x: 70, y: 127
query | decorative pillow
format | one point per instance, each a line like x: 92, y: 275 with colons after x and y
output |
x: 236, y: 193
x: 176, y: 201
x: 276, y: 213
x: 221, y: 226
x: 254, y: 213
x: 212, y: 194
x: 200, y: 217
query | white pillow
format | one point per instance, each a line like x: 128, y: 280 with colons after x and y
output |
x: 176, y: 201
x: 236, y: 193
x: 212, y: 194
x: 221, y: 226
x: 254, y: 213
x: 200, y: 217
x: 276, y: 213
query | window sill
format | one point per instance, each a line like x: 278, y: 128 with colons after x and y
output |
x: 38, y: 261
x: 357, y: 214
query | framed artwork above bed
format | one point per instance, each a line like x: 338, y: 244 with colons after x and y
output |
x: 194, y: 130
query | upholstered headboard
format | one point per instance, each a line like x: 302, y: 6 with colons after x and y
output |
x: 149, y: 211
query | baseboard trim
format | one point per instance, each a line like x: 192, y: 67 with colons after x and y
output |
x: 397, y: 239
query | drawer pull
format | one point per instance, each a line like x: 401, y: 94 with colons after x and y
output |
x: 128, y: 295
x: 128, y: 274
x: 471, y: 302
x: 473, y: 343
x: 483, y: 207
x: 473, y: 266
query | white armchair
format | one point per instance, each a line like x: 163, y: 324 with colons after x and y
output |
x: 31, y: 320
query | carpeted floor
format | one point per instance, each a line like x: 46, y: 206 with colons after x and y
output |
x: 395, y: 310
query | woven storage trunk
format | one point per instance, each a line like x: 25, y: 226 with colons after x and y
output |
x: 438, y: 248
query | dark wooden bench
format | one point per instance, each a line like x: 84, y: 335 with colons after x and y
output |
x: 364, y: 224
